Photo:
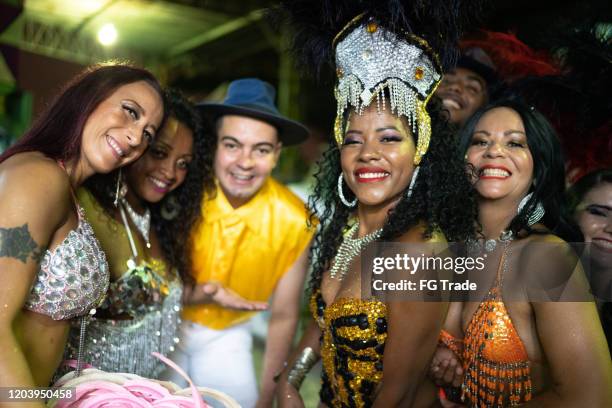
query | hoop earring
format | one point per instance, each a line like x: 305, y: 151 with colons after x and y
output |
x: 346, y: 202
x: 535, y: 215
x: 415, y: 174
x: 170, y: 209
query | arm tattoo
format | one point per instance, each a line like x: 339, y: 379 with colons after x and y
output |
x: 18, y: 243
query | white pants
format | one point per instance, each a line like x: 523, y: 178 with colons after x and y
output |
x: 219, y: 359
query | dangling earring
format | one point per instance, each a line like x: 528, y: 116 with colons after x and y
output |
x: 535, y: 215
x: 116, y: 202
x: 415, y: 174
x: 121, y: 189
x: 346, y: 202
x: 170, y: 209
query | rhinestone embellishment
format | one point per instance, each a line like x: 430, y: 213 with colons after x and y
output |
x: 419, y: 73
x: 349, y: 249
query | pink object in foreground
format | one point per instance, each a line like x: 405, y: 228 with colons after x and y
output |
x: 97, y: 389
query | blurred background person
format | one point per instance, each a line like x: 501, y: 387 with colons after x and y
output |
x: 590, y: 201
x: 467, y: 87
x: 490, y: 62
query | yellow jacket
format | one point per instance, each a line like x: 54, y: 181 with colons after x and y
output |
x: 247, y: 249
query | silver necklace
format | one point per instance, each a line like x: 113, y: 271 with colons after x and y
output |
x: 142, y: 222
x: 491, y: 244
x: 349, y: 249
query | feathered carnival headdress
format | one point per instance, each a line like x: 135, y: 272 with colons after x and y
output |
x: 380, y: 48
x: 512, y: 58
x: 587, y: 62
x: 577, y: 101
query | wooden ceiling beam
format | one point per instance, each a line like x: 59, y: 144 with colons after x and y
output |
x: 215, y: 33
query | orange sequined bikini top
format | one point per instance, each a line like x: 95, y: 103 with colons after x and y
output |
x: 495, y: 361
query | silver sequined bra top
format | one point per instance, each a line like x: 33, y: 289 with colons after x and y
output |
x: 140, y: 290
x: 73, y: 277
x: 125, y: 345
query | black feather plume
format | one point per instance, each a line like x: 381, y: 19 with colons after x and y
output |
x: 315, y: 23
x: 587, y: 61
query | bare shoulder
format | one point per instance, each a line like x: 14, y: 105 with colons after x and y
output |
x: 545, y: 237
x: 546, y: 246
x: 32, y: 163
x: 550, y: 268
x: 36, y: 173
x: 33, y: 186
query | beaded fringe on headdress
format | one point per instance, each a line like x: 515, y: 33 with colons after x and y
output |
x: 403, y: 102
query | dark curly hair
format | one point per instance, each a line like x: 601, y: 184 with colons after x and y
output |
x: 442, y: 197
x: 548, y: 169
x: 179, y: 211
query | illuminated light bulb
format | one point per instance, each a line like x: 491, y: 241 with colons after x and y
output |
x: 107, y: 35
x: 91, y: 6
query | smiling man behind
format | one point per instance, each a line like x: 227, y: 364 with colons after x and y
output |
x: 253, y: 243
x: 465, y: 88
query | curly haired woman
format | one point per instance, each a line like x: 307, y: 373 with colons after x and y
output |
x: 142, y: 226
x: 392, y: 176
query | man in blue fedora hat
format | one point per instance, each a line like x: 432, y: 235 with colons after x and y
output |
x: 252, y: 244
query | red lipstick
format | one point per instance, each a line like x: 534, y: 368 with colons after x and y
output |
x: 371, y: 174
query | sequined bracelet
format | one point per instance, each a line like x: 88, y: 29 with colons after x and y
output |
x: 451, y: 342
x: 301, y: 367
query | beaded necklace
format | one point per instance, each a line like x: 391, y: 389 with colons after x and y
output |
x: 490, y: 244
x: 349, y: 249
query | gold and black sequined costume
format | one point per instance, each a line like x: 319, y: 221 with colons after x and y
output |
x: 354, y: 333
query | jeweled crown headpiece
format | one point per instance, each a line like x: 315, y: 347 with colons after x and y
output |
x: 393, y: 50
x: 369, y: 60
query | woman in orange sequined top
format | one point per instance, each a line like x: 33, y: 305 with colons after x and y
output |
x: 513, y: 346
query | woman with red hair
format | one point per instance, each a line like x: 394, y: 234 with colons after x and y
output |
x: 51, y: 264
